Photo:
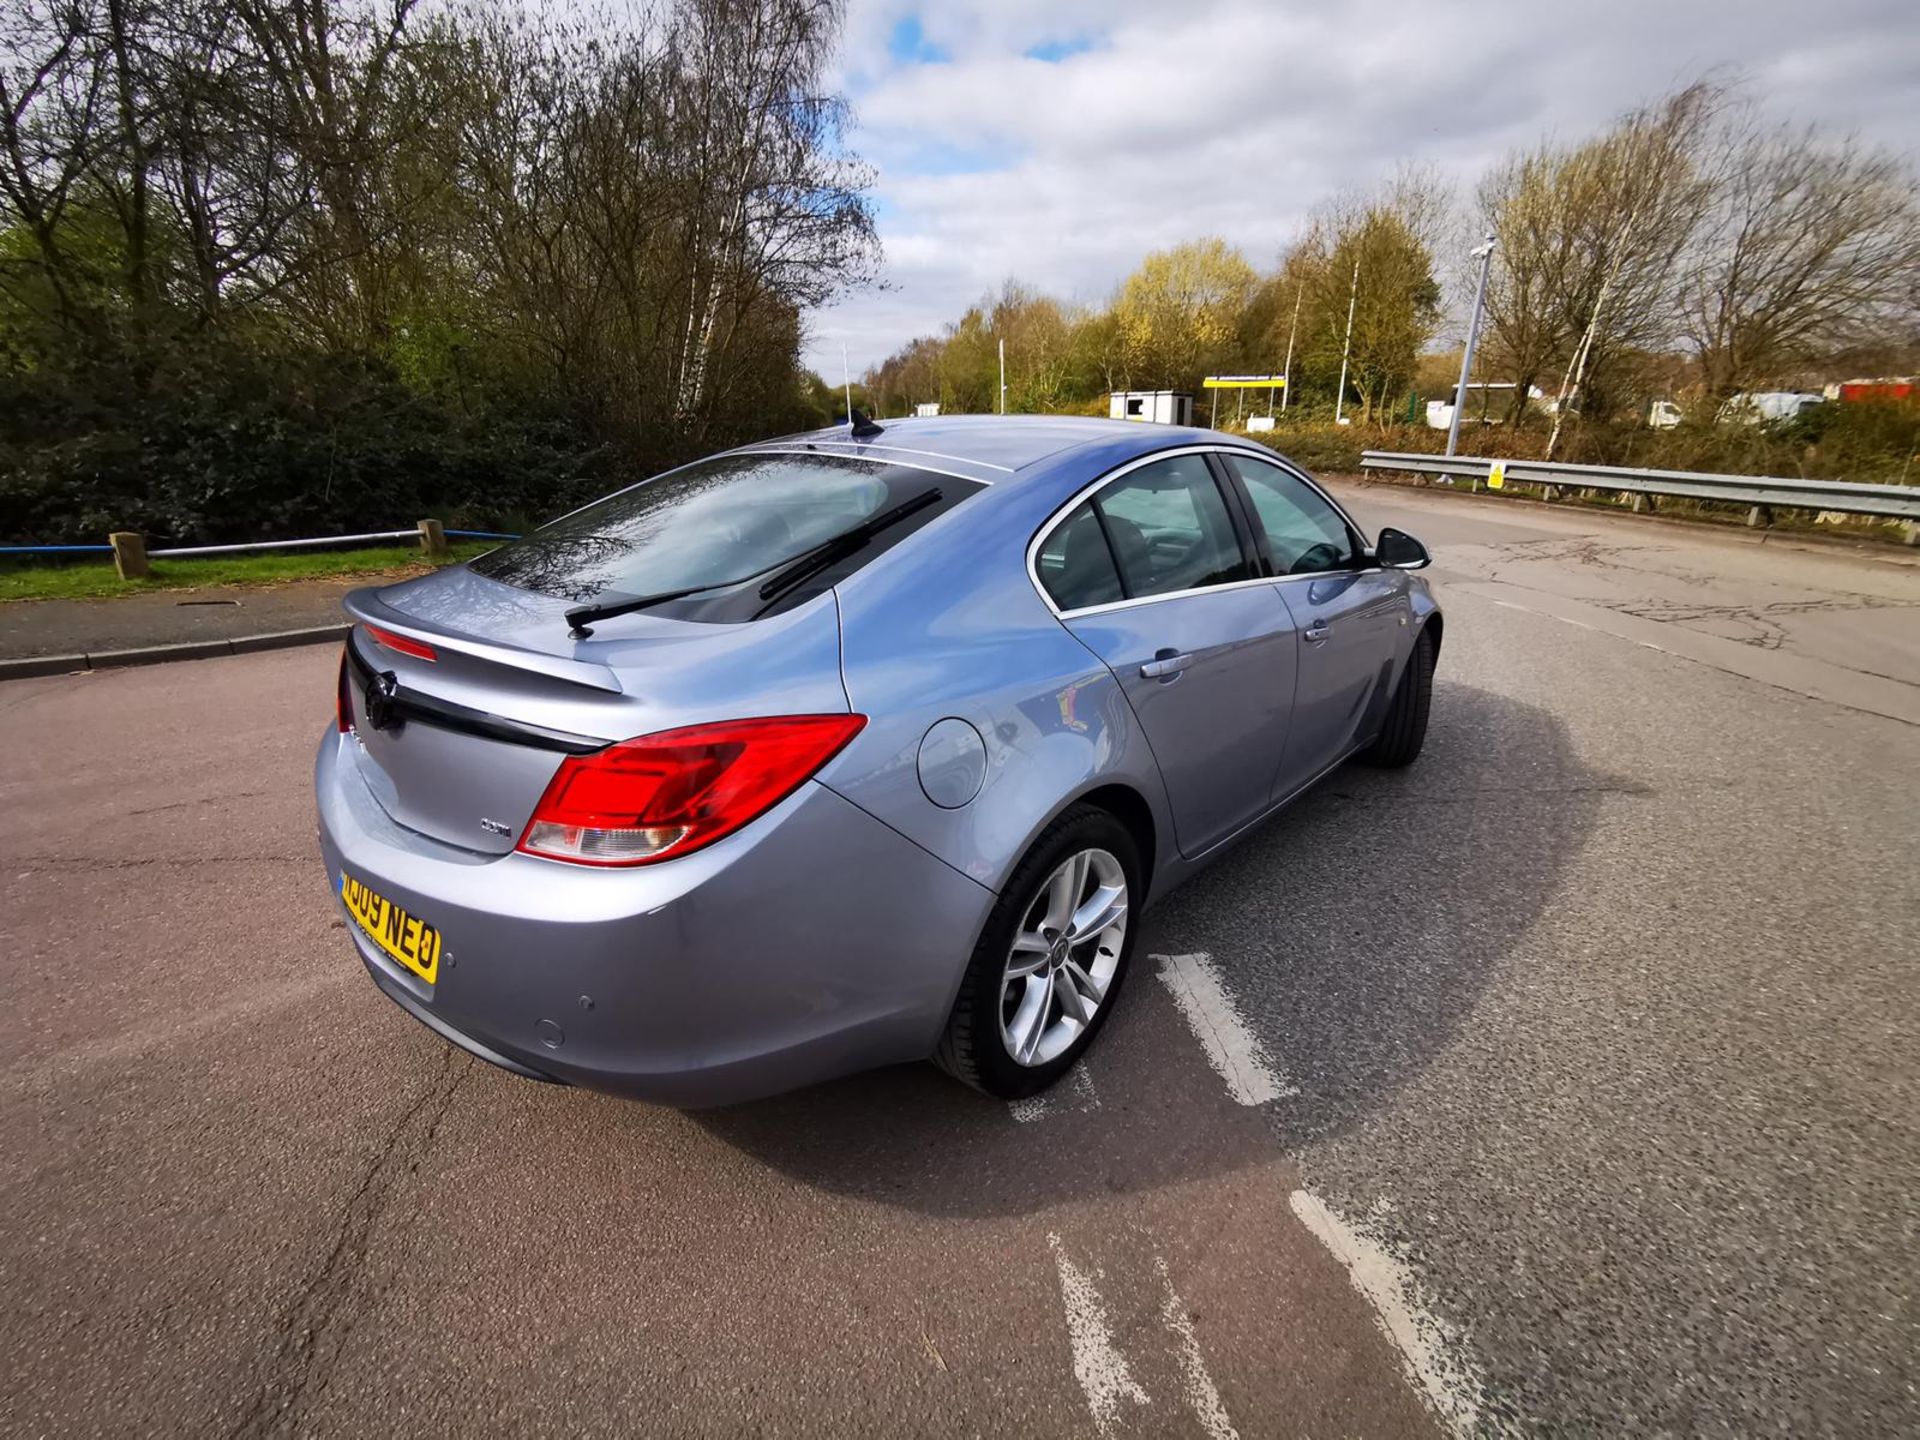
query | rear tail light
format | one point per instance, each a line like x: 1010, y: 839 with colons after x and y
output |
x: 667, y: 794
x: 343, y: 697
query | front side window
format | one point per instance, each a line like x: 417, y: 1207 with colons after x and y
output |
x: 719, y: 521
x: 1168, y: 525
x: 1304, y: 533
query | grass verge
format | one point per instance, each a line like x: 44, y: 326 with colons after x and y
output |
x: 96, y: 580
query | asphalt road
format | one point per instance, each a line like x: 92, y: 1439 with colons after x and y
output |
x: 1563, y: 1083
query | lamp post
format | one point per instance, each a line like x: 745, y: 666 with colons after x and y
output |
x: 1484, y: 254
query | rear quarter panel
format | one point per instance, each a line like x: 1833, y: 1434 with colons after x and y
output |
x: 951, y: 626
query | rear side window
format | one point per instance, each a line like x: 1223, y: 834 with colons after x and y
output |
x: 1169, y: 528
x: 1075, y: 565
x: 1304, y: 533
x: 718, y: 523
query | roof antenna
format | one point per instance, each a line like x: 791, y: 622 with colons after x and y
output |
x: 863, y: 425
x: 846, y: 378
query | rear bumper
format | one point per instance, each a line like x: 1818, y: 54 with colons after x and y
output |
x: 813, y: 943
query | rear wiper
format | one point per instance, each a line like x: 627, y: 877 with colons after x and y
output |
x: 792, y: 569
x: 580, y: 619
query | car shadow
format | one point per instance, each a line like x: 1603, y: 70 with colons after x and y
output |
x: 1355, y: 932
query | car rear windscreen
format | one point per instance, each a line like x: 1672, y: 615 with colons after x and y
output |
x: 720, y: 523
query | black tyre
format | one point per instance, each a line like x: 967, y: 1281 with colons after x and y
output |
x: 1405, y: 729
x: 1050, y: 961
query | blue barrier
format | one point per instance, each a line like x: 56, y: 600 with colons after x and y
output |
x: 56, y: 549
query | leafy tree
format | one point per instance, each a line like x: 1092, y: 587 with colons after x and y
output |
x: 599, y: 231
x: 1178, y: 315
x: 1370, y: 256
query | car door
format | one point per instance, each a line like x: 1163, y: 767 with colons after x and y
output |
x: 1156, y: 574
x: 1349, y: 612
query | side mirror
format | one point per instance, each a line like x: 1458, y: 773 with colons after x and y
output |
x: 1401, y: 551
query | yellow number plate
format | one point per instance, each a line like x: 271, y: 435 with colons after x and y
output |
x: 407, y: 938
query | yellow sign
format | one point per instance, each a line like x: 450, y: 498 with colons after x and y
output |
x: 1244, y: 382
x: 1497, y: 475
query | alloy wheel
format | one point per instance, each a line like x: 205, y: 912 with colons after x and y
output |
x: 1063, y: 957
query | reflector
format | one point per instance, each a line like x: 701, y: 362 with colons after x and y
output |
x: 402, y: 644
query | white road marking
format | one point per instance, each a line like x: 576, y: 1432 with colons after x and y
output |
x: 1429, y: 1348
x: 1202, y: 1394
x: 1099, y: 1367
x: 1232, y: 1049
x: 1547, y: 614
x: 1073, y: 1094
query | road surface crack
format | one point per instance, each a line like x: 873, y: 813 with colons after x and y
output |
x: 314, y: 1330
x: 198, y: 801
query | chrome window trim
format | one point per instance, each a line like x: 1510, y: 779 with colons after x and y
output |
x: 1058, y: 517
x: 817, y: 453
x: 865, y: 445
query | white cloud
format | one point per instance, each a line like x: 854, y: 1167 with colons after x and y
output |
x: 1235, y: 118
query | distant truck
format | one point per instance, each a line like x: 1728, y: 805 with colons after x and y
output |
x: 1852, y: 392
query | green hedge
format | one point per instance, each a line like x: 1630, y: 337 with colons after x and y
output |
x: 222, y: 444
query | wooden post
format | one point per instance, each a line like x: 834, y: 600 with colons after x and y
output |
x: 1759, y: 518
x: 129, y: 554
x: 1911, y: 529
x: 1642, y: 502
x: 433, y: 540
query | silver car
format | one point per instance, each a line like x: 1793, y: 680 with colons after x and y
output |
x: 856, y: 747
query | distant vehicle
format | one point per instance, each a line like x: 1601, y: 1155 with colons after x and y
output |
x: 850, y: 748
x: 1663, y: 415
x: 927, y: 409
x: 1765, y: 407
x: 1852, y: 392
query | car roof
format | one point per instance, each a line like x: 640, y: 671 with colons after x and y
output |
x: 991, y: 447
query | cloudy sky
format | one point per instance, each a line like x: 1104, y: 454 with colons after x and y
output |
x: 1059, y: 142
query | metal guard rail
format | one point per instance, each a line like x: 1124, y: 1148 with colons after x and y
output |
x: 1890, y: 502
x: 177, y: 552
x: 255, y: 546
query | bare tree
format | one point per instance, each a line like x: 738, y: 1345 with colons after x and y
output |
x: 1524, y: 331
x: 55, y: 92
x: 1587, y: 239
x: 775, y: 212
x: 1809, y: 247
x: 1644, y: 173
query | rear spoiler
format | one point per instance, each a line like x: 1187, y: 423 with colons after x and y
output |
x: 365, y: 604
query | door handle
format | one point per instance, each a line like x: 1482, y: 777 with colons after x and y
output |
x: 1165, y: 665
x: 1317, y: 632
